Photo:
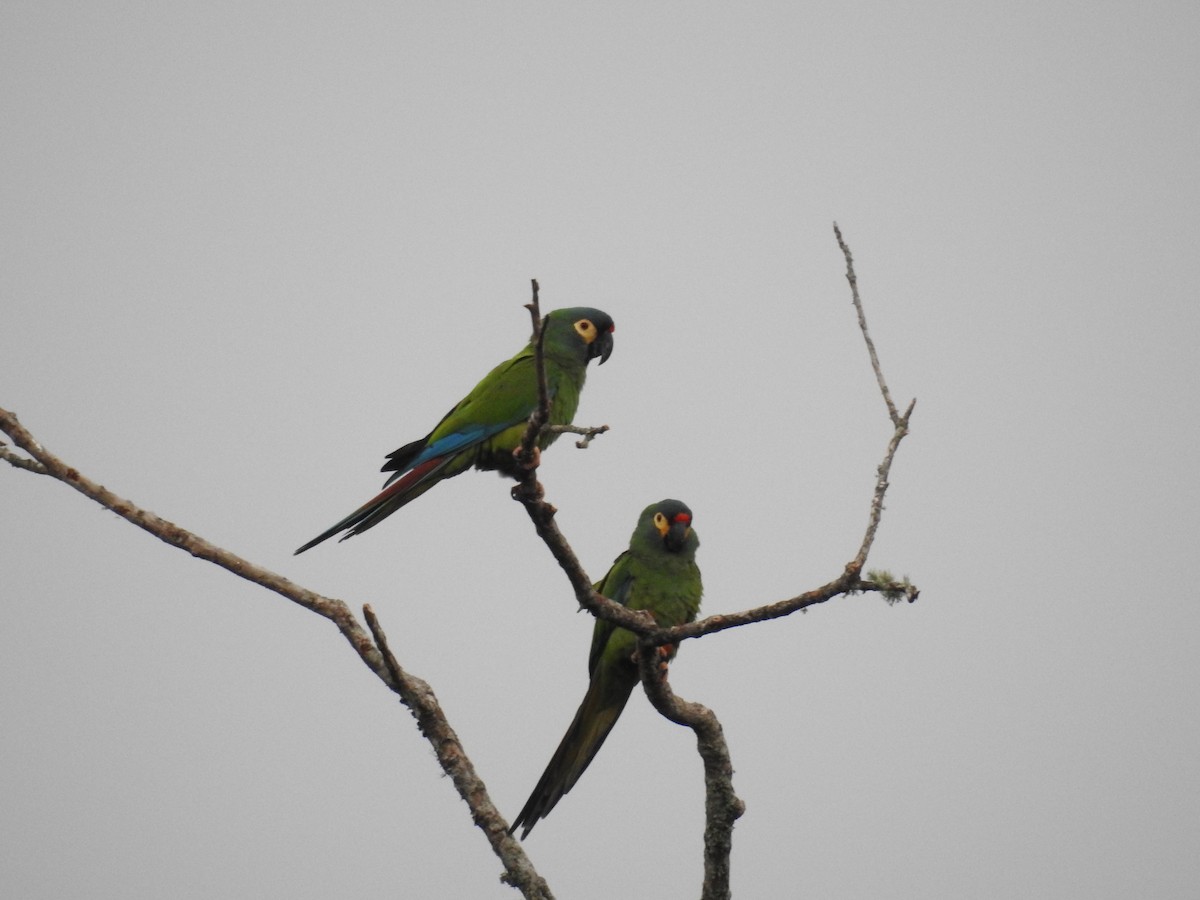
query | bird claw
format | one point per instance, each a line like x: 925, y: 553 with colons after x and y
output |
x: 664, y: 653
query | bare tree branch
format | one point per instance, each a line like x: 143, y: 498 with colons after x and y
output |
x: 849, y: 581
x: 846, y: 583
x: 881, y: 486
x: 413, y: 692
x: 334, y: 610
x: 527, y: 451
x: 721, y: 805
x: 862, y: 324
x: 21, y: 462
x: 588, y: 433
x: 419, y: 698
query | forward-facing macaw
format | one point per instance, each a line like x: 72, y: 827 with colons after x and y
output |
x: 486, y: 425
x: 658, y: 573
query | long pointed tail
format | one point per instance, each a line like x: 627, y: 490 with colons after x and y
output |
x: 607, y: 695
x: 408, y: 488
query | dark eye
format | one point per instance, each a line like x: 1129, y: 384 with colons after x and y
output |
x: 660, y: 519
x: 584, y: 325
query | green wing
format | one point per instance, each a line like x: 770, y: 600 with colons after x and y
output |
x: 617, y: 585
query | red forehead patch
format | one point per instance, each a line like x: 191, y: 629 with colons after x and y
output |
x: 682, y: 517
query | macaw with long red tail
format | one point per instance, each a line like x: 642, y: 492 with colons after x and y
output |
x: 486, y: 426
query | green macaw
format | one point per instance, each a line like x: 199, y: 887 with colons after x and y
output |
x: 658, y: 573
x: 486, y: 426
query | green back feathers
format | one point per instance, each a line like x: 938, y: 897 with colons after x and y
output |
x: 484, y: 428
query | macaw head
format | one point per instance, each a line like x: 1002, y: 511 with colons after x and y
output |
x: 592, y: 327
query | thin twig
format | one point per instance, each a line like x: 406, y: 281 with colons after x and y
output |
x: 589, y: 433
x: 881, y: 486
x: 862, y: 323
x: 526, y: 451
x: 21, y: 462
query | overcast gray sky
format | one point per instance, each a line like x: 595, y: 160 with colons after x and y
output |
x: 248, y: 249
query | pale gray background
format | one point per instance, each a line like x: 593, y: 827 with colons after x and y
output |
x: 247, y: 250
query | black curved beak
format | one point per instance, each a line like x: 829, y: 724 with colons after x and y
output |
x: 602, y: 347
x: 677, y: 535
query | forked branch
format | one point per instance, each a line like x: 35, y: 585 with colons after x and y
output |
x: 722, y: 805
